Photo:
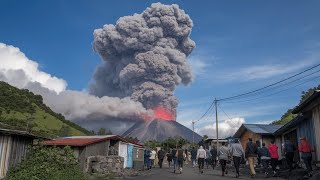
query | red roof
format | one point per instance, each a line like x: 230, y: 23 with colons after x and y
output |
x: 82, y: 141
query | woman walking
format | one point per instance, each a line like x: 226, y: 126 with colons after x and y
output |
x: 223, y: 155
x: 237, y: 153
x: 273, y: 150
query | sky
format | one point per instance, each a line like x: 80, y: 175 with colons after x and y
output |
x: 240, y: 46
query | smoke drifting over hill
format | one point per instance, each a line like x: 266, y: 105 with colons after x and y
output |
x: 145, y: 56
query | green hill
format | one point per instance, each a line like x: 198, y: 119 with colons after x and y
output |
x: 23, y: 110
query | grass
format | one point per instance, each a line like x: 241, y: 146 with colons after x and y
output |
x: 41, y: 121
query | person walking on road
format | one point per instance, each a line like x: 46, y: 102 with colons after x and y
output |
x: 237, y: 152
x: 306, y: 154
x: 259, y: 155
x: 224, y: 155
x: 193, y: 156
x: 265, y: 158
x: 152, y: 158
x: 273, y: 150
x: 201, y: 155
x: 181, y: 155
x: 251, y: 155
x: 147, y: 159
x: 213, y: 153
x: 174, y: 158
x: 289, y: 150
x: 208, y: 158
x: 169, y: 158
x: 161, y: 155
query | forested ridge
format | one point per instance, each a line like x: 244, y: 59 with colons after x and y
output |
x: 21, y: 109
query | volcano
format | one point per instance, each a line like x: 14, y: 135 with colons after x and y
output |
x: 160, y: 130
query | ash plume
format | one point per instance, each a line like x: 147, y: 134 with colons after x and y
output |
x: 145, y: 56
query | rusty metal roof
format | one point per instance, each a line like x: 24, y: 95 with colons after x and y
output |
x: 83, y: 140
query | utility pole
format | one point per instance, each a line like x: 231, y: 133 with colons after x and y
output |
x: 216, y: 107
x: 193, y: 133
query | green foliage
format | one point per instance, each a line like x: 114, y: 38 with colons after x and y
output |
x: 288, y: 116
x: 205, y: 137
x: 305, y: 95
x: 16, y: 106
x: 132, y: 140
x: 47, y: 163
x: 167, y: 144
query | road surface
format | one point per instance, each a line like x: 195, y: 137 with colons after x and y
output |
x: 190, y: 173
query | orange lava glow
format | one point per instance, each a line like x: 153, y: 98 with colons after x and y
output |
x: 163, y: 114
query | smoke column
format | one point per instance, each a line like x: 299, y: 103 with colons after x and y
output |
x: 145, y: 57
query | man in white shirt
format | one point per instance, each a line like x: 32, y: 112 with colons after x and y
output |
x: 152, y: 158
x: 201, y: 155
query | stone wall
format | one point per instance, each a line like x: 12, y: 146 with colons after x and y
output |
x: 104, y: 165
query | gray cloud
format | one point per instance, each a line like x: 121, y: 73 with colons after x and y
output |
x: 145, y: 56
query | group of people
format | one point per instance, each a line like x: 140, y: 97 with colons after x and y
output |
x: 266, y: 156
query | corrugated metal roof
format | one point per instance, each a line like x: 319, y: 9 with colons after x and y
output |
x: 83, y: 140
x: 262, y: 128
x: 80, y: 140
x: 266, y: 129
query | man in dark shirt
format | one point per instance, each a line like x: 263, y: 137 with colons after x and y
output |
x: 193, y: 156
x: 174, y: 158
x: 251, y: 154
x: 289, y: 150
x: 161, y: 155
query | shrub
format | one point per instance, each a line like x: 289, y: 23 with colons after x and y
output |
x: 47, y: 163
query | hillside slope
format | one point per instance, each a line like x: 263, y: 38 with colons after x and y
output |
x: 21, y: 109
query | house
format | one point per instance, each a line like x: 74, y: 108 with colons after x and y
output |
x: 109, y: 145
x: 209, y: 142
x: 306, y: 124
x: 13, y: 148
x: 258, y: 132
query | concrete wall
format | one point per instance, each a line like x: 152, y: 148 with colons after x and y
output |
x: 104, y: 165
x: 100, y: 148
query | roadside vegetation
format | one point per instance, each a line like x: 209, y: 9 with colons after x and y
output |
x: 47, y: 163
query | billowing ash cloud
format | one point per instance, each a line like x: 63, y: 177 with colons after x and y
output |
x: 145, y: 56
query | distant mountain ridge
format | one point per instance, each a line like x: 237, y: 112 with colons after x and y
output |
x: 160, y: 130
x: 22, y: 110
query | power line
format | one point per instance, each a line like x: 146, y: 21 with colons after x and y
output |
x: 290, y: 82
x: 224, y: 112
x: 270, y: 85
x: 277, y: 92
x: 210, y: 107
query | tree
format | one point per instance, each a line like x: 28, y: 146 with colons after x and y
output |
x: 64, y: 131
x: 205, y: 137
x: 109, y: 132
x: 102, y: 131
x: 132, y: 140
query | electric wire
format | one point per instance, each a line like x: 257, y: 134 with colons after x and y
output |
x: 270, y: 85
x: 277, y: 92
